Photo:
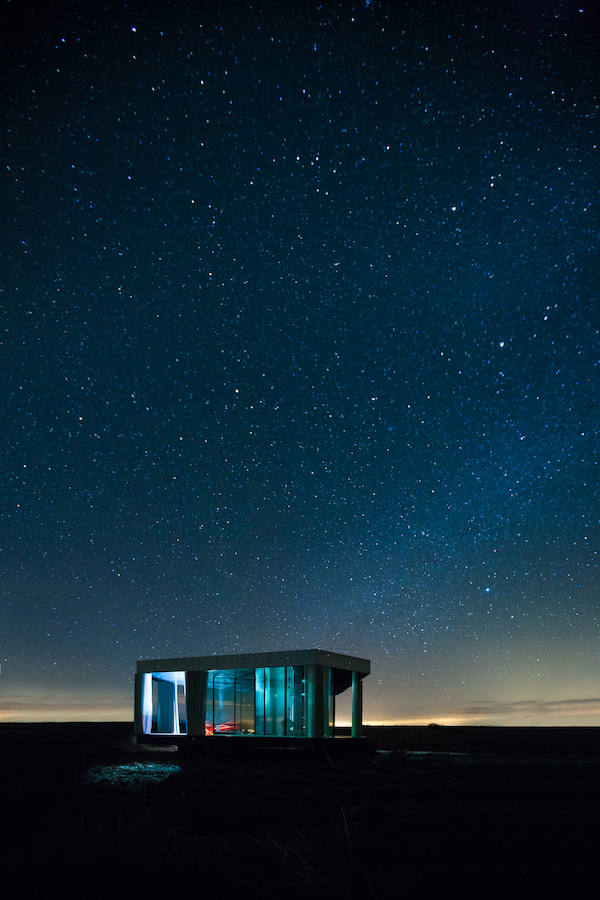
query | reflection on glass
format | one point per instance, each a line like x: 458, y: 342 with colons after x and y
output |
x: 296, y: 702
x: 230, y: 701
x: 281, y: 701
x: 274, y: 701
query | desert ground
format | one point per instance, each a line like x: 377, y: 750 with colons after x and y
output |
x: 88, y: 813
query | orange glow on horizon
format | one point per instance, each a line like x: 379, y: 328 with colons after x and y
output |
x: 27, y: 704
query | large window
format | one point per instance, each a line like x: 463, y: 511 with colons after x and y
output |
x: 230, y: 701
x: 163, y: 703
x: 264, y: 701
x: 281, y: 701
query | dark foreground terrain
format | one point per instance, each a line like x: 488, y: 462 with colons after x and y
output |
x: 87, y: 813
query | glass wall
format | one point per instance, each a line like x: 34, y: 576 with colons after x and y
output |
x: 281, y: 707
x: 230, y: 701
x: 163, y: 703
x: 296, y: 706
x: 281, y: 701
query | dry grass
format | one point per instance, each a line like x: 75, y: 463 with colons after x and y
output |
x: 287, y: 826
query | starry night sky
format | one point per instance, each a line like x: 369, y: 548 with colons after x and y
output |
x: 299, y: 348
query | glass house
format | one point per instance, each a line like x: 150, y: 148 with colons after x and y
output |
x: 285, y: 694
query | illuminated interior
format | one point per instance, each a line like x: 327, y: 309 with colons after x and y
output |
x: 279, y: 694
x: 271, y: 701
x: 230, y: 701
x: 163, y: 703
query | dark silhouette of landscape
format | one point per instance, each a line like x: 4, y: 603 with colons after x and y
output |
x: 415, y: 808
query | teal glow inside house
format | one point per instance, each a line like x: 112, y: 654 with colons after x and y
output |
x: 284, y: 694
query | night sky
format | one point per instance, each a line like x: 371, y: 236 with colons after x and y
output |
x: 299, y: 348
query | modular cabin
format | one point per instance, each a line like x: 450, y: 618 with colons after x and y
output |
x: 284, y: 694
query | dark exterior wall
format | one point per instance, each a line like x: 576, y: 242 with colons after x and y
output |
x: 195, y: 692
x: 138, y: 726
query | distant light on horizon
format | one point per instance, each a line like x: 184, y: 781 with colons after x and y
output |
x: 34, y: 707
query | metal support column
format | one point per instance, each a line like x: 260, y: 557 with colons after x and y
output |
x: 356, y: 705
x: 327, y: 711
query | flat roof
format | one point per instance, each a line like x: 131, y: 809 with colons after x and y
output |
x: 312, y: 657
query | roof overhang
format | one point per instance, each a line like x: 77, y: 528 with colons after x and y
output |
x: 339, y: 661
